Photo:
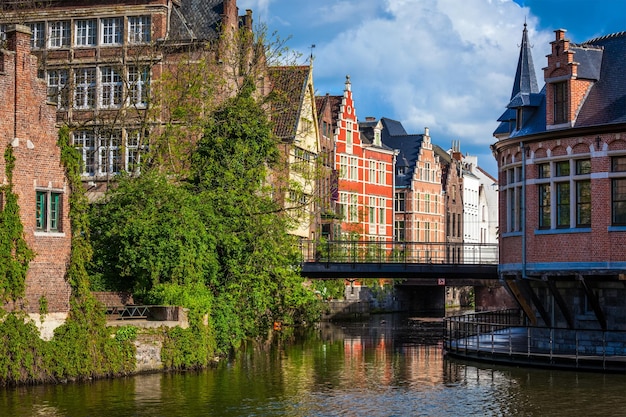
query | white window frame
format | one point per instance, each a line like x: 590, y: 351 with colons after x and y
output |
x: 85, y: 88
x: 59, y: 34
x: 57, y: 80
x: 111, y: 30
x: 38, y: 38
x: 86, y: 32
x: 111, y: 89
x: 85, y: 142
x: 139, y: 29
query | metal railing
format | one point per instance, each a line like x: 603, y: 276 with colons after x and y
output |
x: 500, y: 336
x: 399, y: 252
x: 128, y: 312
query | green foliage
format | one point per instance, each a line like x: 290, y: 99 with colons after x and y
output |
x: 24, y: 356
x: 189, y: 348
x: 148, y: 232
x: 215, y: 243
x: 15, y: 255
x: 330, y: 289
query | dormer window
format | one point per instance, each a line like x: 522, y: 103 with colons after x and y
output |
x: 560, y: 102
x: 518, y: 118
x: 377, y: 141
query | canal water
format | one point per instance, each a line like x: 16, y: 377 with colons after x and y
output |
x: 388, y: 365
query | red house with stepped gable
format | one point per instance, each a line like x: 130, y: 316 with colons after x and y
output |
x: 28, y: 125
x: 365, y: 169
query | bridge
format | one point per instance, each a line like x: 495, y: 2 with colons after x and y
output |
x: 422, y: 263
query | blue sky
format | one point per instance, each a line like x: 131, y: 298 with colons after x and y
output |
x: 443, y: 64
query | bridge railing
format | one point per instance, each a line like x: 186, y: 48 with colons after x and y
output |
x: 359, y: 251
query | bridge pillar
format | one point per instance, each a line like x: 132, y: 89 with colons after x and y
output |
x: 496, y: 297
x: 421, y: 299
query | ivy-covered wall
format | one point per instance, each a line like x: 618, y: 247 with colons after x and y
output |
x: 31, y: 164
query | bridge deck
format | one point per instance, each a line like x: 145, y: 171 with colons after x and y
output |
x: 420, y: 263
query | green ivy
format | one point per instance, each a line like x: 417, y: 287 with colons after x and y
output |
x: 15, y: 255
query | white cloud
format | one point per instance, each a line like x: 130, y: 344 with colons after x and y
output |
x: 444, y: 64
x: 435, y: 63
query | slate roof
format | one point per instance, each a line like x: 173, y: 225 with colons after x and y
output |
x: 196, y: 20
x: 395, y: 137
x: 289, y: 87
x: 601, y: 60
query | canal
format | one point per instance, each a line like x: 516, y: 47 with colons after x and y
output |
x: 389, y: 365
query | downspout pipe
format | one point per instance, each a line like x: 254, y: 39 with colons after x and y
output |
x: 523, y: 209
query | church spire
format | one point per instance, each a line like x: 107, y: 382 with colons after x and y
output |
x: 525, y: 79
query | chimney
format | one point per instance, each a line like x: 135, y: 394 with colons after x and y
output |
x: 370, y: 119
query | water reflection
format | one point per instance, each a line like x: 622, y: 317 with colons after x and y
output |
x: 387, y: 366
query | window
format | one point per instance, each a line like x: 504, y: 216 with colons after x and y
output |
x: 38, y: 39
x: 400, y: 202
x: 561, y: 168
x: 544, y: 206
x: 354, y: 168
x: 583, y: 203
x: 513, y: 195
x: 399, y: 231
x: 86, y: 32
x: 48, y: 211
x: 348, y: 207
x: 544, y: 170
x: 381, y: 173
x: 560, y: 103
x: 111, y: 88
x: 85, y: 88
x: 108, y: 152
x: 349, y: 137
x: 618, y: 192
x: 377, y: 139
x: 562, y: 204
x: 583, y: 194
x: 139, y: 29
x: 85, y: 143
x: 382, y: 203
x: 59, y: 34
x: 57, y: 88
x: 111, y: 31
x: 109, y: 148
x: 133, y: 147
x: 139, y: 81
x: 343, y: 166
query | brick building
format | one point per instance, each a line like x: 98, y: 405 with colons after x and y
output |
x: 561, y: 154
x: 419, y: 203
x: 365, y: 175
x: 28, y: 126
x: 101, y: 60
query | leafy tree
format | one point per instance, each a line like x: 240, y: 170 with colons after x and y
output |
x: 148, y: 232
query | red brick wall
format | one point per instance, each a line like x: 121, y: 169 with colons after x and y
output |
x: 599, y: 245
x: 28, y: 123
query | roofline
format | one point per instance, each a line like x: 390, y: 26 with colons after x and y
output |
x: 559, y: 134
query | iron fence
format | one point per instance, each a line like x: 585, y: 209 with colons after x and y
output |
x: 359, y: 251
x: 501, y: 336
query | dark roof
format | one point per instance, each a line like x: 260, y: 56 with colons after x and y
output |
x: 196, y: 20
x: 525, y: 79
x: 601, y: 60
x: 408, y: 146
x: 288, y: 90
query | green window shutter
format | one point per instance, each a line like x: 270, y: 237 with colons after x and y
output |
x: 55, y: 206
x: 41, y: 210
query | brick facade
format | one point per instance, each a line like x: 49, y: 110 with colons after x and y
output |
x: 561, y: 216
x: 28, y: 125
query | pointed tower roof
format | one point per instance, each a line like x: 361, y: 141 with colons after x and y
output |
x: 525, y: 79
